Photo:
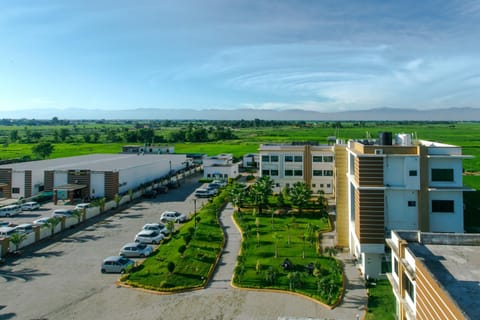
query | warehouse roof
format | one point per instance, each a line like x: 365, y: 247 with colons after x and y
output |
x: 94, y: 162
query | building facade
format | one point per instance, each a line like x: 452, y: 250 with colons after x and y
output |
x: 401, y: 185
x: 287, y: 164
x: 96, y: 175
x: 435, y: 275
x: 220, y: 167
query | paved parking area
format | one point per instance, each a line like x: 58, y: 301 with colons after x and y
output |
x: 61, y: 279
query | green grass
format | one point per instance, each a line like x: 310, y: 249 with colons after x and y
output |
x: 381, y: 301
x: 193, y: 269
x: 258, y: 261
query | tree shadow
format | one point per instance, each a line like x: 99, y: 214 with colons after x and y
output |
x: 81, y: 239
x: 129, y: 216
x: 26, y: 274
x: 48, y: 254
x: 7, y: 316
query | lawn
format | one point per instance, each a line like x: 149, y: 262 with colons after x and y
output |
x: 194, y: 266
x: 381, y: 301
x: 268, y: 242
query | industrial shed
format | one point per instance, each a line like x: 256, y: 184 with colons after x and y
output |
x: 89, y: 176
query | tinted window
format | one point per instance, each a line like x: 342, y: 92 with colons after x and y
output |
x: 442, y: 174
x: 317, y: 159
x: 443, y: 206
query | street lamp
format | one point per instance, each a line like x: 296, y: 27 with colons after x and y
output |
x: 195, y: 212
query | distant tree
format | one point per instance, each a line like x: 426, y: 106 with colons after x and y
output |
x: 43, y: 149
x: 87, y: 138
x: 300, y: 194
x: 14, y: 136
x: 64, y: 134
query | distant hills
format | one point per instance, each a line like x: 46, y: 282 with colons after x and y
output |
x: 452, y: 114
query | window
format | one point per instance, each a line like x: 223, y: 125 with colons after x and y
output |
x: 317, y: 173
x: 328, y: 159
x: 274, y: 172
x: 412, y: 173
x: 273, y: 158
x: 265, y: 172
x: 442, y: 174
x: 288, y: 158
x: 328, y: 185
x: 314, y: 185
x: 395, y: 266
x: 288, y: 173
x: 409, y: 288
x: 298, y: 173
x: 328, y: 173
x: 317, y: 159
x: 15, y: 190
x: 321, y: 185
x: 412, y: 203
x: 446, y: 206
x: 298, y: 158
x: 265, y: 159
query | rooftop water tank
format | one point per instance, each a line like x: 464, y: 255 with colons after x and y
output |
x: 385, y: 138
x: 403, y: 139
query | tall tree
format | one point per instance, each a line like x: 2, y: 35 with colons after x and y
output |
x: 260, y: 191
x: 300, y: 194
x: 236, y: 193
x: 43, y: 149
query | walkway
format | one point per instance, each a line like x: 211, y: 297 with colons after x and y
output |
x: 287, y: 306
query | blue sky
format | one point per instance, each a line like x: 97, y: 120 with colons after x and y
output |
x: 262, y: 54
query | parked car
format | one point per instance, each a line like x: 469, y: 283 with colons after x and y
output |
x: 136, y: 249
x: 10, y: 211
x: 4, y: 224
x: 161, y: 189
x: 41, y: 221
x: 204, y: 193
x: 149, y: 236
x: 6, y: 232
x: 220, y: 183
x: 175, y: 216
x: 62, y: 213
x: 24, y: 228
x: 82, y: 206
x: 160, y: 227
x: 116, y: 264
x: 150, y: 194
x: 30, y: 206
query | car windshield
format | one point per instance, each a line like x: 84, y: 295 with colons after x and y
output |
x: 141, y: 246
x: 123, y: 260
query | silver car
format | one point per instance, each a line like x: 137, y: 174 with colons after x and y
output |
x: 160, y: 227
x: 116, y: 264
x: 136, y: 249
x: 173, y: 216
x: 149, y: 236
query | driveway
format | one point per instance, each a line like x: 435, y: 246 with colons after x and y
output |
x: 61, y: 279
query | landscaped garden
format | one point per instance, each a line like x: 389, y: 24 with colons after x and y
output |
x: 281, y: 247
x: 187, y: 259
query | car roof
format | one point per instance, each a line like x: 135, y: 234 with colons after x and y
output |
x: 132, y: 244
x: 146, y: 232
x: 23, y: 225
x: 153, y: 224
x: 31, y: 202
x: 113, y: 258
x: 6, y: 229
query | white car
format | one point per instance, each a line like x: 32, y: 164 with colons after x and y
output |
x: 205, y: 193
x: 174, y: 216
x: 160, y: 227
x: 29, y: 206
x: 135, y: 249
x: 82, y: 206
x: 24, y: 228
x: 149, y: 236
x: 117, y: 264
x: 41, y: 221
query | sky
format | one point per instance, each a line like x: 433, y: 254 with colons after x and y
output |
x: 322, y: 56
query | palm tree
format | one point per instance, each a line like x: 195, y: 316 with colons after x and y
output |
x: 237, y: 194
x: 171, y: 227
x: 17, y: 239
x: 295, y: 279
x: 300, y: 194
x: 275, y: 238
x: 52, y: 223
x: 117, y: 198
x: 101, y: 203
x: 322, y: 203
x: 260, y: 191
x: 78, y: 214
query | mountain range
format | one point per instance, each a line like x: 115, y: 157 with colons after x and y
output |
x: 387, y: 114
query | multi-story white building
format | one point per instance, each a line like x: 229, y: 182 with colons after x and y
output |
x: 435, y: 275
x: 220, y: 167
x: 388, y: 186
x: 290, y: 163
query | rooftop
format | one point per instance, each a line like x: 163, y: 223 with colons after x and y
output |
x: 94, y: 162
x: 454, y: 261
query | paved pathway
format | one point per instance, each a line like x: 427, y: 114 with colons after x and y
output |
x: 289, y: 306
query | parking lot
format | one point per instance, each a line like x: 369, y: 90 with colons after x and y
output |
x: 57, y: 273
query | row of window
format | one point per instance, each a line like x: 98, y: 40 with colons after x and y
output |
x: 439, y: 206
x: 291, y: 158
x: 297, y: 173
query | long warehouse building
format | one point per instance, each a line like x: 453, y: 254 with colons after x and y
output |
x: 89, y: 176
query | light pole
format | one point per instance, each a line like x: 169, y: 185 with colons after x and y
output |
x: 195, y: 212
